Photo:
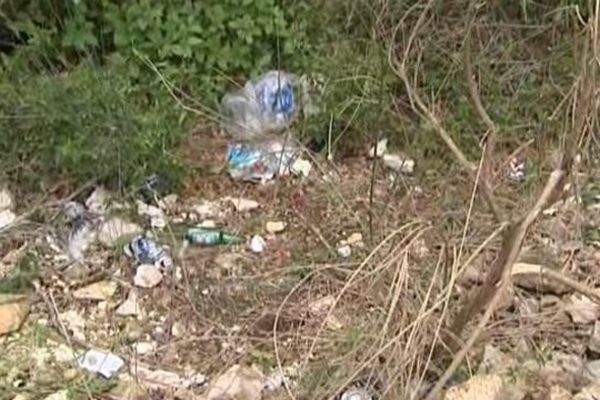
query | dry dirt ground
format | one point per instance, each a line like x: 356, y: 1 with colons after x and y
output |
x: 299, y: 312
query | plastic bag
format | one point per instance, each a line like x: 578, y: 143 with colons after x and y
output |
x: 265, y: 105
x: 261, y: 162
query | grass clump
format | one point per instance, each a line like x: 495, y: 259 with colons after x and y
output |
x: 86, y: 124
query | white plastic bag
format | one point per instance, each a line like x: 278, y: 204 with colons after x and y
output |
x: 265, y: 105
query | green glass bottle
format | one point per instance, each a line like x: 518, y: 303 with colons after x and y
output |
x: 211, y: 237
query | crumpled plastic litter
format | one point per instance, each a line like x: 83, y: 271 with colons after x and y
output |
x: 83, y: 229
x: 264, y: 105
x: 263, y: 161
x: 103, y: 363
x: 147, y: 251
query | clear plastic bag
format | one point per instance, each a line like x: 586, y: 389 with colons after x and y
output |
x: 265, y: 105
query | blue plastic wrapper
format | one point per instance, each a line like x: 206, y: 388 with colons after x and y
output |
x: 146, y: 251
x: 260, y: 162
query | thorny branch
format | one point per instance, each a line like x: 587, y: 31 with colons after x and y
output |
x: 498, y: 279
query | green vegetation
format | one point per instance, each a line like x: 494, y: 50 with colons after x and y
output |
x: 85, y: 97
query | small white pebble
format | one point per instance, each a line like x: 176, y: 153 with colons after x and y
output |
x: 344, y: 251
x: 257, y: 244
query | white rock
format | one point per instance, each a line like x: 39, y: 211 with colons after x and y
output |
x: 161, y: 379
x: 275, y: 226
x: 301, y: 167
x: 257, y: 244
x: 144, y: 348
x: 238, y: 382
x: 64, y: 354
x: 6, y: 200
x: 62, y: 395
x: 479, y: 387
x: 207, y: 223
x: 102, y: 290
x: 101, y: 362
x: 399, y: 164
x: 240, y: 204
x: 116, y: 229
x: 98, y: 201
x: 158, y: 220
x: 495, y: 362
x: 378, y: 150
x: 177, y: 330
x: 130, y: 306
x: 344, y: 251
x: 147, y: 276
x: 206, y: 209
x: 355, y: 239
x: 591, y: 392
x: 7, y: 217
x: 168, y: 202
x: 75, y: 323
x: 582, y: 310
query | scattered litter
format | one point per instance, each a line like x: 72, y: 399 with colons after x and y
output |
x: 144, y: 348
x: 344, y: 251
x: 238, y: 382
x: 275, y: 226
x: 146, y: 251
x: 155, y: 214
x: 147, y: 276
x: 240, y: 204
x: 582, y: 309
x: 379, y: 149
x: 102, y: 290
x: 75, y: 323
x: 104, y: 363
x: 117, y: 230
x: 400, y: 164
x: 130, y: 306
x: 98, y: 201
x: 211, y: 237
x: 356, y: 393
x: 81, y: 237
x: 257, y: 244
x: 265, y: 105
x: 261, y: 162
x: 516, y: 170
x: 7, y: 217
x: 13, y: 311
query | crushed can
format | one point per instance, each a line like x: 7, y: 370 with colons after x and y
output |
x: 211, y: 237
x: 146, y: 251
